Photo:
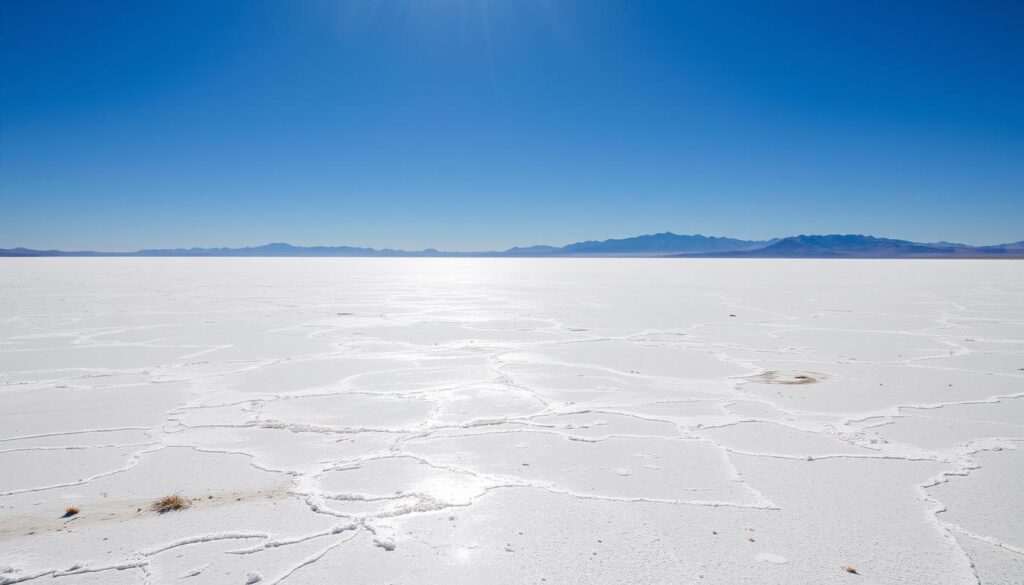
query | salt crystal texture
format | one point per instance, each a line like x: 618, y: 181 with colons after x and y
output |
x: 556, y: 420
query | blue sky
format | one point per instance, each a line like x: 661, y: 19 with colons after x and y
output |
x: 483, y: 124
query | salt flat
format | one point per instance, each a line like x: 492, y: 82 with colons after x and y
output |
x: 512, y: 421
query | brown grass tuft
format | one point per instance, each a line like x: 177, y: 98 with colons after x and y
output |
x: 170, y: 503
x: 70, y: 512
x: 850, y: 569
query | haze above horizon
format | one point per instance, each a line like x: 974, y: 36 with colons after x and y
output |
x: 488, y: 124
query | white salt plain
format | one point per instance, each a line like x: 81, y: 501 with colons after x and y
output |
x: 483, y: 421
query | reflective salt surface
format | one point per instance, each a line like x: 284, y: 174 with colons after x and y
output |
x: 511, y: 421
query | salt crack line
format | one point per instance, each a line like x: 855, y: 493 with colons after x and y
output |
x: 66, y: 433
x: 945, y: 529
x: 986, y: 539
x: 132, y: 462
x: 77, y: 447
x: 115, y: 567
x: 285, y: 542
x: 9, y: 580
x: 76, y: 569
x: 641, y: 500
x: 211, y: 537
x: 936, y: 458
x: 314, y: 558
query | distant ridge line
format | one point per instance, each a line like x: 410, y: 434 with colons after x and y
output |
x: 661, y: 245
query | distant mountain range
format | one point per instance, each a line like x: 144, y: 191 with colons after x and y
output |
x: 856, y: 246
x: 663, y: 245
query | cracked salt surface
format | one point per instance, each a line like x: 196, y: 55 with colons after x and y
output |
x: 513, y: 421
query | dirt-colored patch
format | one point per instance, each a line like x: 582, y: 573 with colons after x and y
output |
x: 170, y: 504
x: 787, y: 377
x: 104, y: 510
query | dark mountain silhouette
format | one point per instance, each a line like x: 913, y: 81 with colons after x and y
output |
x: 1009, y: 249
x: 660, y: 245
x: 16, y: 252
x: 278, y: 249
x: 858, y: 246
x: 663, y: 244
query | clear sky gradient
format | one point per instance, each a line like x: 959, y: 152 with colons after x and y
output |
x: 483, y: 124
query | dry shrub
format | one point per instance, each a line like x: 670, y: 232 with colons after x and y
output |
x: 170, y: 504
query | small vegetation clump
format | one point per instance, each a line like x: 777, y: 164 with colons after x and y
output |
x: 72, y: 511
x: 170, y: 504
x: 850, y: 569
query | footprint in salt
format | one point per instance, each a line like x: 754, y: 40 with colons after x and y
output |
x: 771, y: 558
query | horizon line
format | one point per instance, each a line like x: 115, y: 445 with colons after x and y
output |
x: 493, y: 251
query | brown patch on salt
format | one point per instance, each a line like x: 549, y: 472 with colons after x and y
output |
x: 787, y: 377
x: 170, y: 504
